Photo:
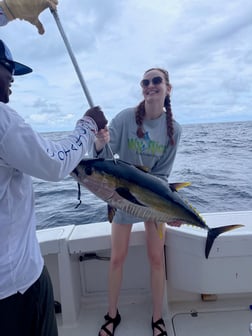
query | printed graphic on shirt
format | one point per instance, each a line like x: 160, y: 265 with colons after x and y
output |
x: 62, y: 154
x: 146, y: 146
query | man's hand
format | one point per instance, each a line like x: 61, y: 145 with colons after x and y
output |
x: 28, y: 10
x: 98, y: 116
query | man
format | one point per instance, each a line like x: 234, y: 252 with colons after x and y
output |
x: 26, y: 296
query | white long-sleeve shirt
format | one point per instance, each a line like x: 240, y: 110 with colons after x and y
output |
x: 25, y: 153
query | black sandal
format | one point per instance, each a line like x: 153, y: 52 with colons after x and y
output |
x: 157, y: 325
x: 115, y: 321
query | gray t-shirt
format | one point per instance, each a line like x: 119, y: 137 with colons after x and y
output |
x: 153, y: 151
x: 3, y: 18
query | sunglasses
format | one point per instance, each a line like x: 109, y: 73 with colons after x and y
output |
x: 8, y: 65
x: 155, y: 81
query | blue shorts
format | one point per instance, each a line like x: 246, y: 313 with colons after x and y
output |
x: 121, y: 217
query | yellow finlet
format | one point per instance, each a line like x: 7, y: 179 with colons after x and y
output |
x: 179, y: 185
x: 159, y: 228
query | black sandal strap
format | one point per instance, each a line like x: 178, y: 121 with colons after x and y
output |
x: 157, y: 325
x: 114, y: 321
x: 108, y: 332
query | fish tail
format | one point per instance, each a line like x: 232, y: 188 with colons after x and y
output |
x: 215, y: 232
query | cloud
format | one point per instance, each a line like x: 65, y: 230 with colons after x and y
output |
x: 205, y: 46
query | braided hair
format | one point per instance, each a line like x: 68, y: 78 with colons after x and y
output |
x: 140, y: 111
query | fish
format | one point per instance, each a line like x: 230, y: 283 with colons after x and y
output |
x: 139, y: 193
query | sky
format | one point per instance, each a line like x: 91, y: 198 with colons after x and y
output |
x: 205, y: 45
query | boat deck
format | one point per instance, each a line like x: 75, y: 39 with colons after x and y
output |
x: 223, y: 323
x: 223, y: 317
x: 220, y: 318
x: 136, y: 320
x: 77, y: 259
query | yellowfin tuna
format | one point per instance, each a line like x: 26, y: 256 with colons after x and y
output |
x: 139, y: 193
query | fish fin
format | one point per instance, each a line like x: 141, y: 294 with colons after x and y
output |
x: 175, y: 223
x: 111, y: 213
x: 215, y: 232
x: 125, y: 193
x: 178, y: 185
x: 159, y: 227
x: 160, y: 230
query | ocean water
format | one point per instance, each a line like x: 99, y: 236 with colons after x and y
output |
x: 216, y: 158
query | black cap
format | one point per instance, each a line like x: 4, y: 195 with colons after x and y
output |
x: 13, y: 66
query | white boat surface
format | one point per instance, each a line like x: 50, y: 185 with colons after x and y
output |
x: 210, y: 297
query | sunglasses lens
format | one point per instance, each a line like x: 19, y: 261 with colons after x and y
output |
x: 145, y: 82
x: 157, y: 80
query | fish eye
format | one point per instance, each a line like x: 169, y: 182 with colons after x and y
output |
x: 88, y: 170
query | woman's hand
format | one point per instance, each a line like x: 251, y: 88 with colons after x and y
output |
x: 102, y: 138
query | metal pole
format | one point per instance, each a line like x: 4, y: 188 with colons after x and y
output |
x: 75, y: 64
x: 71, y: 54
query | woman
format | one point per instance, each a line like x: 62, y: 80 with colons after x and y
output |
x: 146, y: 135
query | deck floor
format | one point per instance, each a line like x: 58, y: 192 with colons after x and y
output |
x: 136, y: 320
x: 224, y: 323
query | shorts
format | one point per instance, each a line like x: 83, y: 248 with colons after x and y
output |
x: 122, y: 217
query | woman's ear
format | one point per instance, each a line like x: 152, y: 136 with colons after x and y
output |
x: 169, y: 88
